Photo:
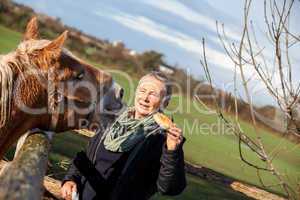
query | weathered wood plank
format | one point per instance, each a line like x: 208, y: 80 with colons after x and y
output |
x: 244, y: 188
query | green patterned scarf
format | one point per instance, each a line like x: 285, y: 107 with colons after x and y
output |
x: 126, y: 132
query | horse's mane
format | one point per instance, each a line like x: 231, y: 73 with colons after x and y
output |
x: 19, y: 60
x: 6, y: 82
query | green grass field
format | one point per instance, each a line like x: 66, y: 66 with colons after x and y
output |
x: 211, y: 147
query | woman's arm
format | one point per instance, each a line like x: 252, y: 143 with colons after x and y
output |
x: 72, y: 175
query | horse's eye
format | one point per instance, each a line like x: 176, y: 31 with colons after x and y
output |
x: 80, y: 76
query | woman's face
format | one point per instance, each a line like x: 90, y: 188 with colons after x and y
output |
x: 148, y: 97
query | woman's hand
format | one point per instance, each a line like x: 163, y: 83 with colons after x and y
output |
x: 174, y: 137
x: 67, y: 189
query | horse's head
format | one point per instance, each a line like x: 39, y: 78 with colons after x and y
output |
x: 52, y: 88
x: 71, y: 83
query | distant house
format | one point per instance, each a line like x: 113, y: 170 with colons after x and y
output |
x: 167, y: 69
x: 132, y: 53
x: 118, y: 43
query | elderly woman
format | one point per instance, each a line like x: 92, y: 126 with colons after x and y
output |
x: 134, y: 158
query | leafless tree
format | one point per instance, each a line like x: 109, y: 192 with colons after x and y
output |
x: 248, y: 52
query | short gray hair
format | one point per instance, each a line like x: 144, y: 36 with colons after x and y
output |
x: 165, y: 80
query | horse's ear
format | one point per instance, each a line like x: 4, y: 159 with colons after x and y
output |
x: 31, y: 31
x: 56, y: 45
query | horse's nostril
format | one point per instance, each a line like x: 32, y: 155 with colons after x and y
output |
x: 121, y: 93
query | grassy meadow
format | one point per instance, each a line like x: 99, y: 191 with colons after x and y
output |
x: 215, y: 148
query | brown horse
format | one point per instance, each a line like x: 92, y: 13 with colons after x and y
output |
x: 44, y: 86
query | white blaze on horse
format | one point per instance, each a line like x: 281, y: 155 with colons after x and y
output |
x: 44, y: 86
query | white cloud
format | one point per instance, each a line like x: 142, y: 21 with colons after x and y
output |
x: 190, y: 15
x: 166, y: 34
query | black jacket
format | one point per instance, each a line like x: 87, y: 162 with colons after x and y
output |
x: 153, y: 169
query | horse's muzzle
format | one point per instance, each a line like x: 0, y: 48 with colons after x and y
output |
x: 112, y: 101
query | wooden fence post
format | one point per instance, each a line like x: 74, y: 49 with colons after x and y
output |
x: 23, y: 178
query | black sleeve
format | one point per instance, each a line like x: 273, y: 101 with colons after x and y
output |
x: 87, y: 169
x: 171, y: 179
x: 73, y: 173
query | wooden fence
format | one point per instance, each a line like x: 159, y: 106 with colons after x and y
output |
x: 24, y: 177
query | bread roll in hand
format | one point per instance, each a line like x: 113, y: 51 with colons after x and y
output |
x: 162, y: 120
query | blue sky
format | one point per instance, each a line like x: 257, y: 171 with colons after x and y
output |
x: 172, y: 27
